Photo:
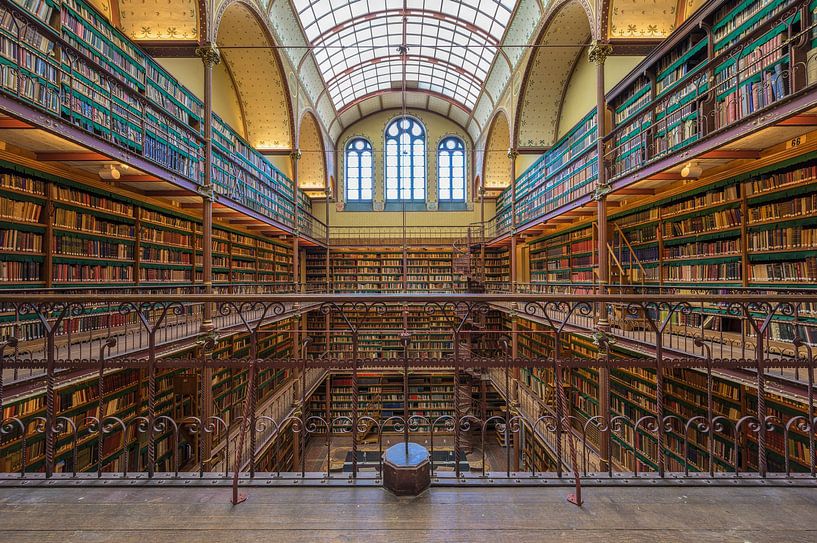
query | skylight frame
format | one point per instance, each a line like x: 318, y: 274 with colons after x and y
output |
x: 451, y: 45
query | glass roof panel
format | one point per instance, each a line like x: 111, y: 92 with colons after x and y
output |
x: 451, y: 45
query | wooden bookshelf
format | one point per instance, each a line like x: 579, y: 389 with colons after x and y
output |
x: 380, y: 394
x: 126, y: 398
x: 633, y: 395
x: 74, y: 64
x: 427, y: 269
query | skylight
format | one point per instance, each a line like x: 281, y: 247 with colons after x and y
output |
x: 451, y: 45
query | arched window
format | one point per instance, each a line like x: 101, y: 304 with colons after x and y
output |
x: 451, y: 169
x: 405, y: 160
x: 359, y: 171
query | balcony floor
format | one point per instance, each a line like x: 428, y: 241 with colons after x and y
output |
x: 174, y: 515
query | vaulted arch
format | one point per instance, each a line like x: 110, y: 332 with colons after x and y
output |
x: 568, y: 29
x: 312, y: 165
x: 496, y: 164
x: 157, y: 20
x: 245, y: 46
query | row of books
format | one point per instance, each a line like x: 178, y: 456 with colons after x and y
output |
x: 752, y: 96
x: 723, y: 195
x: 99, y: 248
x: 718, y: 220
x: 20, y: 241
x: 20, y: 210
x: 86, y: 222
x: 727, y: 19
x: 71, y: 195
x: 793, y: 237
x: 802, y: 271
x: 786, y: 209
x: 100, y: 273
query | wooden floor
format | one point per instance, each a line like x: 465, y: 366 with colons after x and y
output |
x: 176, y: 515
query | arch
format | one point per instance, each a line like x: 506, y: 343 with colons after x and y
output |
x: 548, y: 72
x: 256, y: 69
x: 312, y: 165
x: 496, y: 171
x: 401, y: 132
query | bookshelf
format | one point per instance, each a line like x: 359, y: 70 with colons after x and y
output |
x: 380, y: 394
x: 633, y: 395
x: 379, y: 335
x: 57, y: 233
x: 74, y: 64
x: 126, y: 398
x: 352, y: 270
x: 563, y: 173
x: 568, y: 257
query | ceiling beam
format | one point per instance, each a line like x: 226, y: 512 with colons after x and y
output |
x: 72, y: 156
x: 634, y: 46
x: 735, y: 154
x: 191, y: 205
x: 666, y: 176
x: 138, y: 178
x: 171, y: 193
x: 13, y: 124
x: 634, y: 192
x: 170, y: 48
x: 799, y: 120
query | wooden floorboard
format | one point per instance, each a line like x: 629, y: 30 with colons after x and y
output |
x: 372, y: 515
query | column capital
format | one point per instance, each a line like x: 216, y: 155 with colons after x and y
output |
x: 295, y: 154
x: 601, y: 192
x: 513, y: 153
x: 207, y: 192
x: 599, y: 51
x: 209, y: 54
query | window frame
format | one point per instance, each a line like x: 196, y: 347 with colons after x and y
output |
x: 347, y: 151
x: 423, y: 137
x: 462, y: 148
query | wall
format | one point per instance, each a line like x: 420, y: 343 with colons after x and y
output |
x: 392, y: 218
x: 373, y: 128
x: 190, y: 73
x: 580, y: 96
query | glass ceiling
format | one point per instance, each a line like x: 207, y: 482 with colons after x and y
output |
x: 451, y: 45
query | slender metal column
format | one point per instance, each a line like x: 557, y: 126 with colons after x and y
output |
x: 597, y: 54
x: 210, y: 56
x: 512, y: 154
x: 295, y: 156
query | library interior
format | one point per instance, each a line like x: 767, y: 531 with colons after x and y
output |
x: 408, y: 270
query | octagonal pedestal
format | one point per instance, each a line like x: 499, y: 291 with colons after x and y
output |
x: 406, y: 472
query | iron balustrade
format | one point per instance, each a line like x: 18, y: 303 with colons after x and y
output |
x: 665, y: 443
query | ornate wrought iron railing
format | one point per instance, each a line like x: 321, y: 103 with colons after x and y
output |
x: 664, y: 443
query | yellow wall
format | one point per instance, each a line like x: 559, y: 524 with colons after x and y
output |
x: 523, y: 162
x: 282, y: 162
x: 373, y: 128
x: 190, y: 73
x: 580, y: 97
x: 390, y: 218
